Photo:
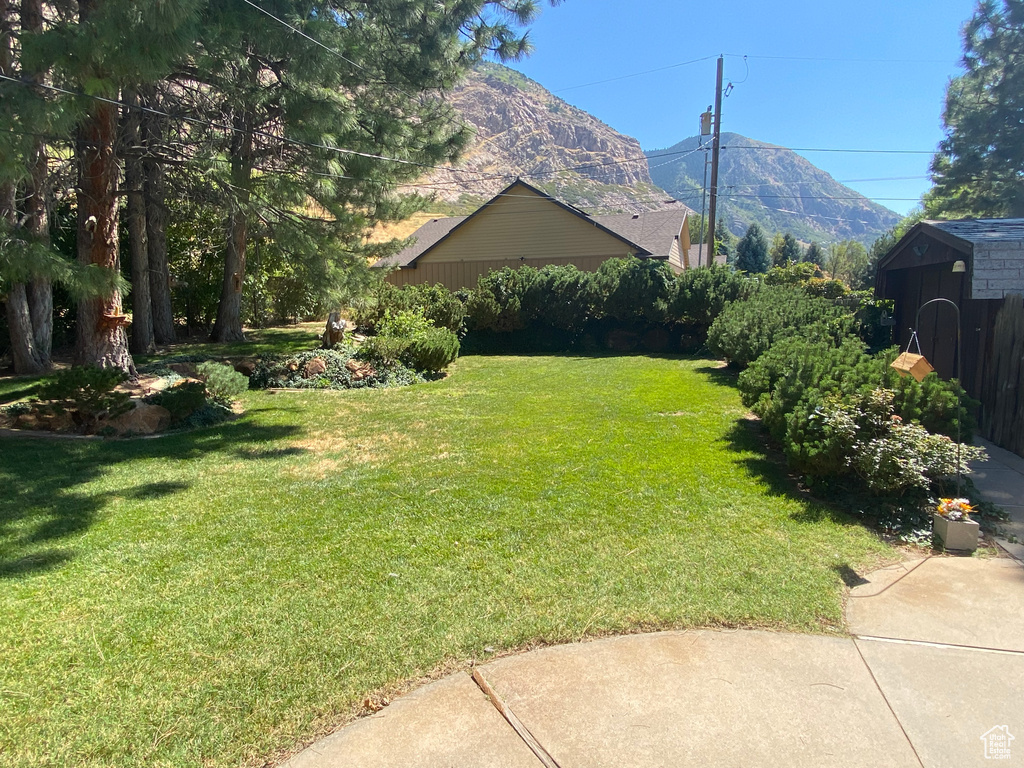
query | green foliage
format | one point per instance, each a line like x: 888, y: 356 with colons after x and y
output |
x: 886, y: 242
x: 752, y: 251
x: 979, y: 167
x: 86, y: 390
x: 725, y: 243
x: 496, y: 303
x: 862, y: 435
x: 431, y: 350
x: 340, y: 370
x: 792, y: 274
x: 778, y: 380
x: 814, y: 254
x: 403, y: 324
x: 635, y: 289
x: 435, y: 302
x: 411, y: 339
x: 222, y: 381
x: 847, y: 262
x: 701, y: 294
x: 182, y: 400
x: 561, y: 297
x: 747, y: 329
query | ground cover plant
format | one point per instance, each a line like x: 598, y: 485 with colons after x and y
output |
x: 210, y: 598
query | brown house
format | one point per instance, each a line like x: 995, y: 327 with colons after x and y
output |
x: 978, y: 264
x: 523, y: 226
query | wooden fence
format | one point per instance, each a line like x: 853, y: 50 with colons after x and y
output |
x: 1002, y: 395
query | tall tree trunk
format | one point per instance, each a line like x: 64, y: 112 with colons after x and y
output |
x: 228, y: 326
x: 40, y: 292
x: 156, y: 233
x: 101, y: 336
x: 19, y: 322
x: 142, y: 317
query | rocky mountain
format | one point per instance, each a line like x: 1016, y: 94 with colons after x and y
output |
x: 523, y: 130
x: 773, y: 186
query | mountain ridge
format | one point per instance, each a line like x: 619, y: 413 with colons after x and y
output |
x: 775, y: 187
x: 523, y: 130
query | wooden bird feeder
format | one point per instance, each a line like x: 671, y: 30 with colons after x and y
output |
x: 915, y: 365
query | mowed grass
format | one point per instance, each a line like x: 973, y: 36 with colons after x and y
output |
x: 216, y: 598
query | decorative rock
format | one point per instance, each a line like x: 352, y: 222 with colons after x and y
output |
x: 360, y: 370
x: 246, y: 367
x: 188, y: 370
x: 26, y: 421
x: 143, y: 419
x: 315, y: 367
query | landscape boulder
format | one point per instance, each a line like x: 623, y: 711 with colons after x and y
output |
x: 246, y: 367
x: 314, y: 367
x: 360, y: 370
x: 143, y: 419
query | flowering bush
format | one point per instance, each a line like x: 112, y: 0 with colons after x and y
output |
x: 861, y: 435
x: 955, y: 509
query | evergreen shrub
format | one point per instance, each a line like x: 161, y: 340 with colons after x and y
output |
x: 431, y: 350
x: 222, y: 381
x: 747, y: 329
x: 86, y: 390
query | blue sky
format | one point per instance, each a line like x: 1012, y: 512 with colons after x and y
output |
x: 818, y: 103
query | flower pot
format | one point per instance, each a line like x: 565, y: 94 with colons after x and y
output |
x: 957, y: 535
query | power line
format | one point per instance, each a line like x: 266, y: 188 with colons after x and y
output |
x: 633, y: 74
x: 823, y: 197
x: 233, y: 129
x: 299, y: 32
x: 766, y: 148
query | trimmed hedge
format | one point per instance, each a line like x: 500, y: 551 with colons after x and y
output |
x: 747, y: 329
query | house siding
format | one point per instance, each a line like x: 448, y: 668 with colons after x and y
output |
x: 520, y: 229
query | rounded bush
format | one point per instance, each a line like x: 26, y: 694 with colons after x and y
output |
x: 432, y: 350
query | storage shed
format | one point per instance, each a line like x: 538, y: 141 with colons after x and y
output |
x: 523, y: 226
x: 979, y: 265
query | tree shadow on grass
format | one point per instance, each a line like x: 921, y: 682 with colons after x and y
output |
x: 45, y: 501
x: 768, y: 464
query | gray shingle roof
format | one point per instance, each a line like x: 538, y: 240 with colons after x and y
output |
x: 983, y: 230
x: 653, y: 231
x: 424, y: 237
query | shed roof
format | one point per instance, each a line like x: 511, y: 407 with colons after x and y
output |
x: 978, y: 231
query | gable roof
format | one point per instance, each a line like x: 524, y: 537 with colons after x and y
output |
x: 630, y: 229
x: 962, y: 235
x: 654, y: 231
x: 978, y: 231
x: 424, y: 238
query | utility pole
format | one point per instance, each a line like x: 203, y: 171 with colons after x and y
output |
x: 713, y: 207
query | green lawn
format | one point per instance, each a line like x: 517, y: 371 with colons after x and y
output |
x: 216, y: 597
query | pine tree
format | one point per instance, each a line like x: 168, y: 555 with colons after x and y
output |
x: 285, y: 99
x: 791, y: 250
x: 107, y: 48
x: 752, y: 251
x: 979, y: 169
x: 814, y: 254
x: 724, y: 249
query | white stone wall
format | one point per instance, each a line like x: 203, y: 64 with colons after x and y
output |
x: 998, y: 270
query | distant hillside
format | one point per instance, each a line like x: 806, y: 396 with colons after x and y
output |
x: 522, y: 129
x: 777, y: 188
